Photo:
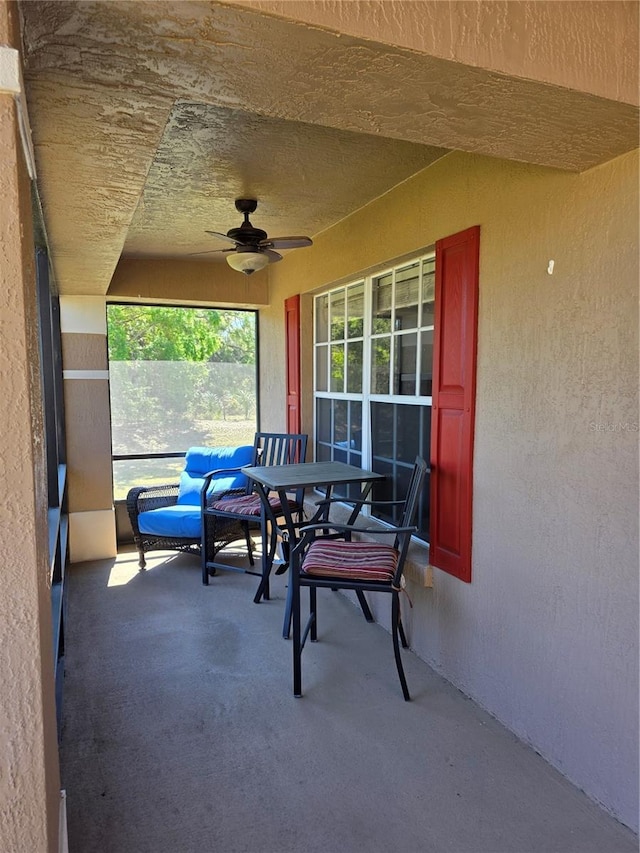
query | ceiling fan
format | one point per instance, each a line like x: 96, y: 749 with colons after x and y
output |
x: 252, y: 248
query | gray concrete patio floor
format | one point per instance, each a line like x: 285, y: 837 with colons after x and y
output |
x: 181, y: 733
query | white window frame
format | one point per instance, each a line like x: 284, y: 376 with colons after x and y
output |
x: 366, y: 397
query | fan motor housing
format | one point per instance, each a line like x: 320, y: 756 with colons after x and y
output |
x: 246, y: 233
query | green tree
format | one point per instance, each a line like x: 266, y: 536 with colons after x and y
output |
x: 154, y: 333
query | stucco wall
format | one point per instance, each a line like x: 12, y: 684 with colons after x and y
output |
x: 29, y: 775
x: 546, y: 636
x: 574, y: 44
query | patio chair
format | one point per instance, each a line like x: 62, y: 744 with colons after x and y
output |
x: 327, y: 556
x: 245, y: 506
x: 168, y: 517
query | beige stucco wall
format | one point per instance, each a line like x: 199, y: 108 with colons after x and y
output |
x: 29, y: 778
x: 546, y: 636
x: 587, y: 45
x: 183, y: 282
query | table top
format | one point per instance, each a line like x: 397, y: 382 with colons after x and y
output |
x: 308, y: 474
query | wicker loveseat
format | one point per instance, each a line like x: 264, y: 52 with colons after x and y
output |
x: 168, y: 517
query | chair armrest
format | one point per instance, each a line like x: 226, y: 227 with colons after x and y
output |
x: 143, y: 498
x: 218, y: 496
x: 211, y: 474
x: 346, y: 528
x: 357, y: 502
x: 208, y: 477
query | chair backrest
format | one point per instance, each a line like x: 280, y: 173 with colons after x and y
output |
x: 281, y: 448
x: 200, y: 460
x: 416, y: 484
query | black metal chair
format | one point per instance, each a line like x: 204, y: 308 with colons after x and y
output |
x: 326, y: 556
x: 245, y: 506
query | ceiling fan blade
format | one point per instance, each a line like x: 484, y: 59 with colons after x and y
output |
x: 286, y: 242
x: 273, y: 256
x: 212, y: 251
x: 222, y: 236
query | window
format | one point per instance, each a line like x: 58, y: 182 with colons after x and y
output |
x: 373, y: 375
x: 179, y: 377
x: 395, y: 367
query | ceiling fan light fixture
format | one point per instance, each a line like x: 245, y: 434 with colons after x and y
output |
x: 247, y: 261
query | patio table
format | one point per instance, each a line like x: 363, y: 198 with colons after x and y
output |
x: 288, y: 478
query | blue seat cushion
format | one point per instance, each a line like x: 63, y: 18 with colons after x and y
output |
x: 200, y: 460
x: 182, y: 521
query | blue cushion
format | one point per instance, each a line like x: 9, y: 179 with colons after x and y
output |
x: 182, y: 521
x: 200, y: 460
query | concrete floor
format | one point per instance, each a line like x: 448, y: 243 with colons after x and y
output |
x: 181, y: 733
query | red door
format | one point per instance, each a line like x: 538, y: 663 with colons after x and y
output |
x: 454, y: 391
x: 292, y: 332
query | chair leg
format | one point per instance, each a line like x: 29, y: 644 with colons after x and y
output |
x: 203, y: 562
x: 364, y: 605
x: 297, y: 640
x: 403, y: 637
x: 288, y: 609
x: 313, y: 612
x: 249, y: 542
x: 395, y: 631
x: 141, y: 562
x: 267, y: 560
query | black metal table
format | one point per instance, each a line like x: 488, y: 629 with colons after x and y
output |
x: 287, y: 478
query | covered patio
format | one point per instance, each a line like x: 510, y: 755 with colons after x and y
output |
x: 182, y: 734
x: 431, y: 151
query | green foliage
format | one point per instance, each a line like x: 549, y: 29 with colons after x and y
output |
x: 153, y: 333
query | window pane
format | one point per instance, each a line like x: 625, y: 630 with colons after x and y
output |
x: 413, y: 428
x: 323, y: 420
x: 355, y: 311
x: 337, y: 315
x: 380, y: 365
x: 407, y: 287
x: 383, y: 491
x: 340, y: 424
x: 337, y: 367
x: 426, y: 364
x: 428, y: 291
x: 400, y: 433
x: 322, y: 318
x: 323, y: 452
x: 382, y: 442
x: 382, y: 291
x: 355, y: 421
x: 340, y: 455
x: 322, y: 369
x: 404, y: 368
x: 354, y: 367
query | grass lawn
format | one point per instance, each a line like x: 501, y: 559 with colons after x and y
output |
x: 139, y: 472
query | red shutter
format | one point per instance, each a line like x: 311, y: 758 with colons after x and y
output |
x: 292, y: 332
x: 454, y: 385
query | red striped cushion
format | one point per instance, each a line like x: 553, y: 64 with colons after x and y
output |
x: 355, y: 560
x: 247, y: 504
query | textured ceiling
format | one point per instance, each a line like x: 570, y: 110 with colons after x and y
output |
x: 150, y: 118
x: 306, y: 177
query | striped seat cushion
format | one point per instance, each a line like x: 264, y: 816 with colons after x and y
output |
x: 248, y: 504
x: 354, y: 560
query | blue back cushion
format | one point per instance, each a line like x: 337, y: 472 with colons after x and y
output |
x: 200, y: 460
